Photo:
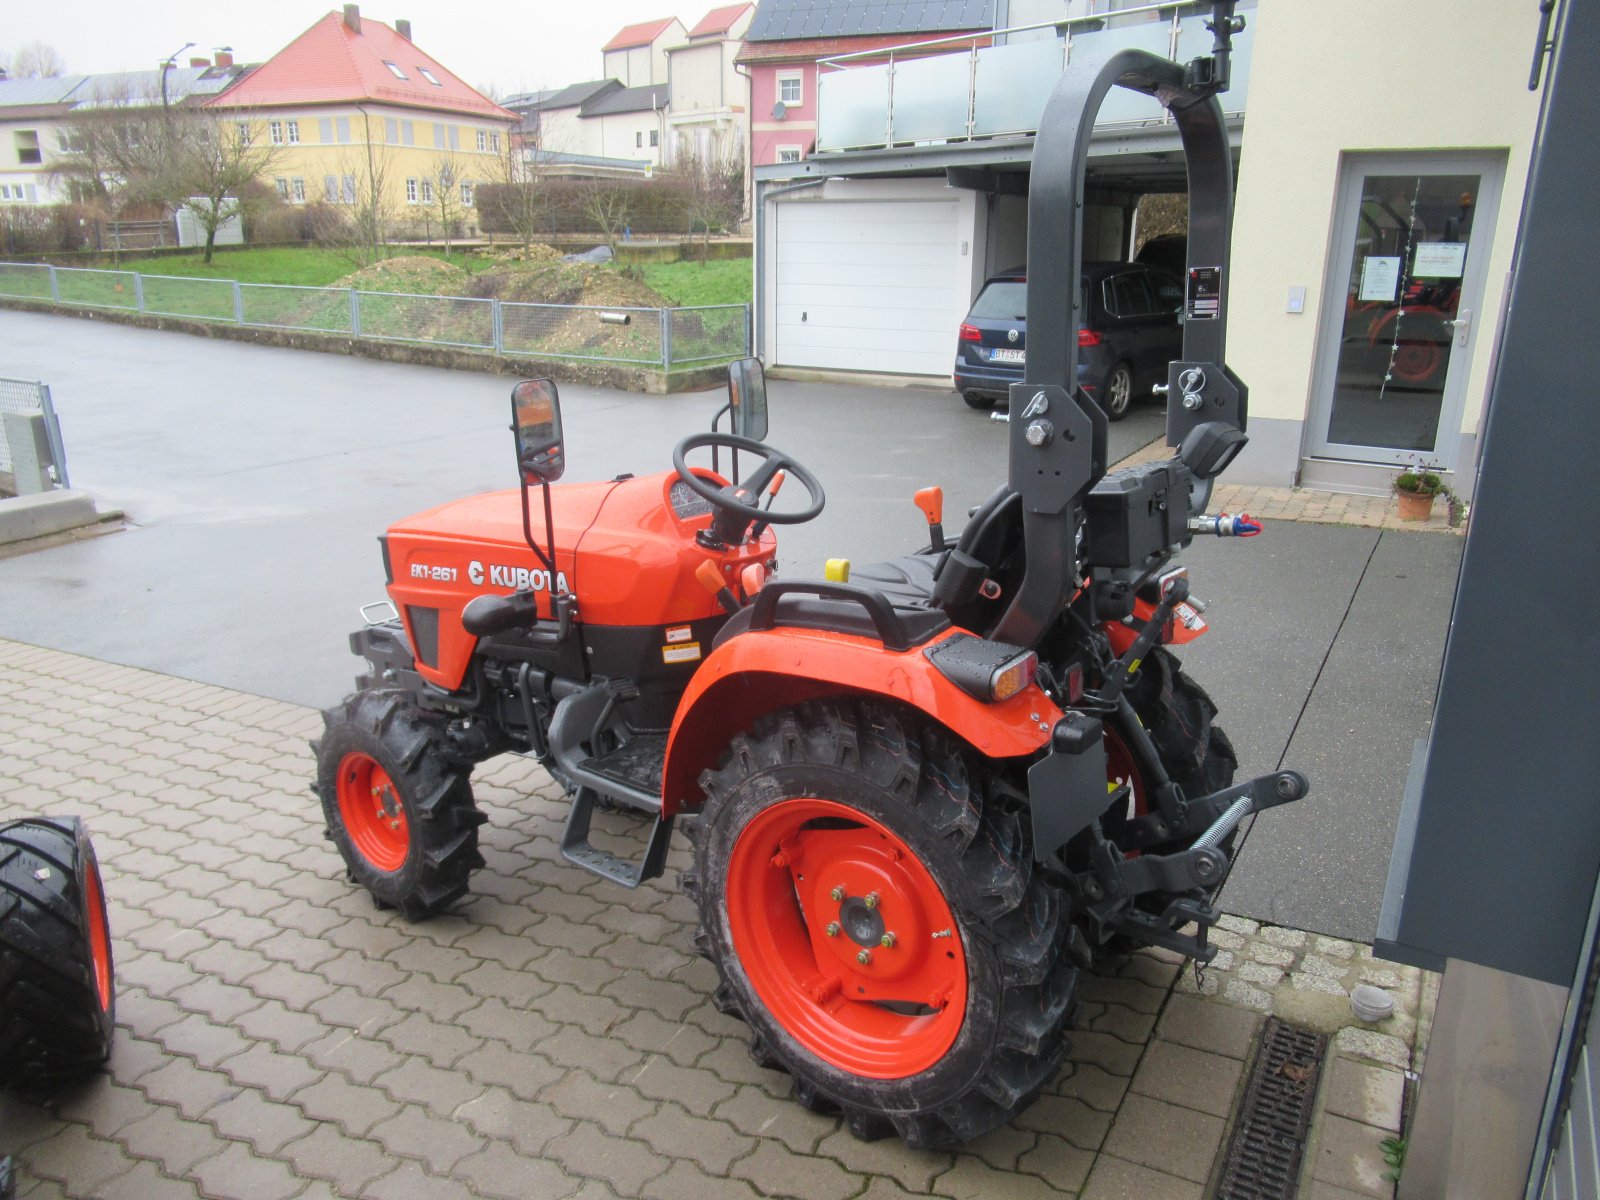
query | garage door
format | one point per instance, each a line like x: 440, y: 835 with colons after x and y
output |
x: 867, y: 286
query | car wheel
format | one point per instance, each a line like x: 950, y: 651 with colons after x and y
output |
x: 974, y: 400
x: 1118, y: 391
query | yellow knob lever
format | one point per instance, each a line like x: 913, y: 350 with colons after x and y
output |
x: 836, y: 570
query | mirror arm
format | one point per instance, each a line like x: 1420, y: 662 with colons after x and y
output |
x: 549, y: 529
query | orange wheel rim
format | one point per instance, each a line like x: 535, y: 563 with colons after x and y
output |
x: 370, y: 808
x: 99, y: 935
x: 846, y: 938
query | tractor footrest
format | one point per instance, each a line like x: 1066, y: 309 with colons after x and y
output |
x: 576, y: 848
x: 636, y: 764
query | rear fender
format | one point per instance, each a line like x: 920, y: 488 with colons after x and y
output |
x: 1183, y: 626
x: 761, y: 672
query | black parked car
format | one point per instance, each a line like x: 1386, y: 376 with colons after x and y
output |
x: 1130, y: 333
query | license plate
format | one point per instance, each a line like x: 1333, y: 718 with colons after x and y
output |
x: 1010, y: 356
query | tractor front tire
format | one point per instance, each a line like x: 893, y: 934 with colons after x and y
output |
x: 875, y: 919
x: 57, y: 994
x: 1178, y: 715
x: 398, y: 805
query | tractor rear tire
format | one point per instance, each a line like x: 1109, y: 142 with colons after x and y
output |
x: 876, y: 921
x: 57, y: 983
x: 1178, y: 715
x: 399, y: 806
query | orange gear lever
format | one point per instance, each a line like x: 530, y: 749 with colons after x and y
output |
x: 931, y: 501
x: 711, y: 579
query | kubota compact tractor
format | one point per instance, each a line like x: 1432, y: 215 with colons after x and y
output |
x: 921, y: 799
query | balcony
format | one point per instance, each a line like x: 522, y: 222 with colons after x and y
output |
x: 983, y: 86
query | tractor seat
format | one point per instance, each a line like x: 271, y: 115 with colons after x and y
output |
x: 906, y: 580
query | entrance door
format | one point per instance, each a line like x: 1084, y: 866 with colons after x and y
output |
x: 1404, y: 298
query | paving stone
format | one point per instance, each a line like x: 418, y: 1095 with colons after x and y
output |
x: 1272, y: 956
x: 1123, y: 1023
x: 216, y: 999
x: 1240, y: 925
x: 1316, y: 983
x: 588, y: 1151
x: 440, y: 1043
x: 499, y: 1171
x: 369, y: 976
x: 1106, y: 989
x: 1381, y: 977
x: 77, y: 1158
x: 144, y: 1182
x: 523, y: 1075
x: 366, y: 1015
x: 611, y: 1106
x: 1118, y: 1179
x: 411, y: 1181
x: 1313, y: 964
x: 1001, y: 1148
x: 914, y: 1169
x: 730, y: 1061
x: 297, y: 989
x: 760, y: 1113
x: 286, y: 1028
x: 186, y: 1087
x: 518, y: 1027
x: 1058, y: 1162
x: 1261, y: 975
x: 972, y: 1179
x: 1225, y: 940
x: 164, y: 1137
x: 778, y: 1171
x: 1190, y: 1078
x: 414, y: 1132
x: 362, y: 1059
x: 202, y: 1039
x: 683, y: 1180
x: 102, y: 1104
x: 1102, y: 1050
x: 1094, y: 1086
x: 1347, y: 1155
x: 674, y: 1131
x: 1280, y: 936
x: 1070, y: 1118
x: 696, y: 1089
x: 327, y: 1153
x: 1334, y: 947
x: 1245, y: 995
x: 1163, y: 1136
x: 671, y: 999
x: 238, y: 1172
x: 440, y: 1091
x: 265, y: 1124
x: 528, y: 1125
x: 1316, y: 1189
x: 597, y: 1016
x: 1364, y: 1093
x: 278, y: 1075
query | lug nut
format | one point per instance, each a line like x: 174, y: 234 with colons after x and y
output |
x: 837, y: 894
x: 864, y: 957
x: 832, y: 929
x: 872, y: 900
x: 887, y: 941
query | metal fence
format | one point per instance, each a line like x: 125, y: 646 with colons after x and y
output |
x: 664, y: 338
x: 27, y: 397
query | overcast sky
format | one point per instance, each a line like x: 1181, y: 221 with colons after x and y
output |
x: 517, y: 45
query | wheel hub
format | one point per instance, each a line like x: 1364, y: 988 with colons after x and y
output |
x: 862, y: 925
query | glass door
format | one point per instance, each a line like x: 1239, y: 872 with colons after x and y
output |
x: 1404, y: 295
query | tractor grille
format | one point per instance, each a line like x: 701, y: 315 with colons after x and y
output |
x: 1269, y: 1141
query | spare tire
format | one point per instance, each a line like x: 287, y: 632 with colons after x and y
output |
x: 57, y: 1001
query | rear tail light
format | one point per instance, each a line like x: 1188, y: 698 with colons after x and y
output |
x: 969, y: 333
x: 1013, y: 675
x: 1074, y: 683
x: 1088, y: 337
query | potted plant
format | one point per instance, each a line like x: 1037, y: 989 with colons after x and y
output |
x: 1416, y: 489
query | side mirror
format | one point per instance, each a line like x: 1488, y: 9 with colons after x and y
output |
x: 536, y: 420
x: 747, y: 398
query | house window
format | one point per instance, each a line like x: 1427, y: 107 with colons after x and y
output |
x: 638, y: 140
x: 298, y: 190
x: 344, y: 130
x: 283, y: 188
x: 244, y: 133
x: 294, y: 133
x: 466, y: 192
x: 325, y: 130
x: 394, y: 69
x: 455, y: 137
x: 408, y: 133
x: 494, y: 142
x: 411, y: 191
x: 427, y: 191
x: 483, y: 140
x: 349, y: 189
x: 789, y: 88
x: 275, y: 132
x: 655, y: 137
x: 330, y: 189
x: 391, y: 131
x: 438, y: 136
x: 788, y: 154
x: 27, y: 141
x: 428, y: 75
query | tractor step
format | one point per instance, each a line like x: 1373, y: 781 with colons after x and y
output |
x: 575, y: 847
x: 635, y: 765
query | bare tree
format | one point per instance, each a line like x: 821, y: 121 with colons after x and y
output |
x: 712, y: 187
x: 108, y: 151
x: 443, y: 185
x: 213, y: 168
x: 608, y: 203
x: 525, y: 200
x: 37, y: 60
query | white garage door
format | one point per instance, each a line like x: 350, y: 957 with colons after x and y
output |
x: 867, y: 286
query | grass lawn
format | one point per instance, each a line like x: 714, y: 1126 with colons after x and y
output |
x: 307, y: 266
x: 688, y: 284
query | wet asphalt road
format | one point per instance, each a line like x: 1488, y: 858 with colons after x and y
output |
x: 255, y: 481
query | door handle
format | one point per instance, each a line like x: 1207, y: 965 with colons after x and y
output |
x: 1462, y: 325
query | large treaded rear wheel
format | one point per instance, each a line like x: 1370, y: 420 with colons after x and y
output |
x: 57, y: 992
x: 876, y: 922
x: 399, y: 807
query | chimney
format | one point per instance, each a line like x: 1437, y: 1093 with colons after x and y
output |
x: 199, y: 62
x: 224, y: 58
x: 403, y: 28
x: 352, y: 17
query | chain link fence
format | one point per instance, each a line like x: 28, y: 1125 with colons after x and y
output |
x: 27, y: 398
x: 665, y: 338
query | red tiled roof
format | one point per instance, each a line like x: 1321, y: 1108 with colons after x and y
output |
x: 719, y: 20
x: 332, y: 63
x: 641, y: 34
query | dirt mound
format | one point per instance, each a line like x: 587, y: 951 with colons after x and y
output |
x: 558, y: 282
x: 414, y: 274
x: 538, y: 252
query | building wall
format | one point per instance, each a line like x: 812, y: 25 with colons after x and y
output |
x: 1429, y: 75
x: 562, y: 131
x: 799, y: 124
x: 697, y: 79
x: 30, y: 183
x: 627, y: 135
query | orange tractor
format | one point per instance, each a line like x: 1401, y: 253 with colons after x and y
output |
x: 921, y: 798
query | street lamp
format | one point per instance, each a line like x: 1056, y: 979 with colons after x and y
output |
x: 167, y: 64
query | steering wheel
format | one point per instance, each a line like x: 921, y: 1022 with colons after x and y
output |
x: 740, y: 506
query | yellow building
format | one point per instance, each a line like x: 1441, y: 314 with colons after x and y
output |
x: 362, y: 118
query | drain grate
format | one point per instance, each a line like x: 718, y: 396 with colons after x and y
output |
x: 1263, y: 1161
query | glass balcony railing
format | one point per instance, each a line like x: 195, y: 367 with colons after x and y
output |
x: 991, y: 85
